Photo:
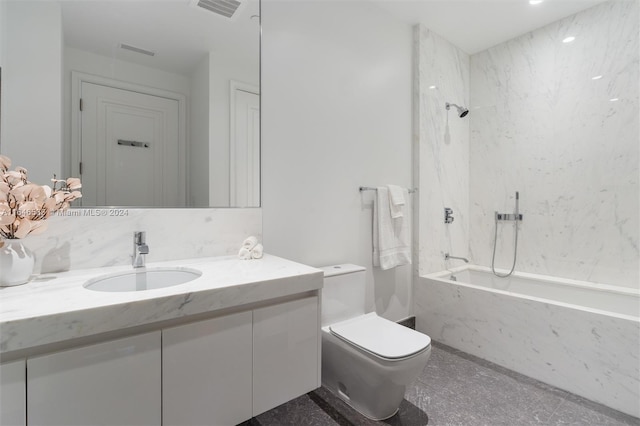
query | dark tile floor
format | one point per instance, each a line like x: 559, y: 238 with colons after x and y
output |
x: 456, y: 389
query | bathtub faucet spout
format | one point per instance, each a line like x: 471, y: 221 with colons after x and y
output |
x: 447, y: 256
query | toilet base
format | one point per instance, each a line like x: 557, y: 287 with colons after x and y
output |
x: 372, y: 386
x: 348, y: 402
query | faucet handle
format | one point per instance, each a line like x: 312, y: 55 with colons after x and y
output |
x: 143, y: 248
x: 140, y: 247
x: 448, y: 215
x: 139, y: 237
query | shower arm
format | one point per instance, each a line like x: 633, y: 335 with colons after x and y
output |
x: 462, y: 111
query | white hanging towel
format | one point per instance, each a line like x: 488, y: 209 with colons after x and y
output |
x: 396, y: 200
x: 391, y: 237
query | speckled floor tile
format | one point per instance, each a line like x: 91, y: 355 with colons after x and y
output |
x: 340, y: 411
x: 408, y: 413
x: 300, y: 411
x: 479, y: 392
x: 572, y: 413
x: 456, y: 388
x: 475, y: 394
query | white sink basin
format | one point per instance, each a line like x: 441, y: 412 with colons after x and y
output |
x: 142, y: 279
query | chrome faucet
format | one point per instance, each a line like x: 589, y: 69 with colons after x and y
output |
x: 447, y: 256
x: 140, y: 248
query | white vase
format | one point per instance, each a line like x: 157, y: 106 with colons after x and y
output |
x: 16, y: 263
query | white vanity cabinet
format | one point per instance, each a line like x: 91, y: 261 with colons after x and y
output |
x: 112, y: 383
x: 241, y: 339
x: 286, y: 352
x: 206, y: 371
x: 227, y: 369
x: 13, y: 401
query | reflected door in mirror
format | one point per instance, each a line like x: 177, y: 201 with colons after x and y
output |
x: 245, y: 150
x: 130, y: 154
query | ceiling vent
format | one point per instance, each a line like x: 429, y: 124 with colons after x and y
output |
x: 225, y: 8
x: 137, y: 49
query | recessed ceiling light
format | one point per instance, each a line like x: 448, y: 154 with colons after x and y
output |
x: 568, y: 39
x: 535, y: 1
x: 613, y: 100
x: 432, y: 87
x: 597, y: 77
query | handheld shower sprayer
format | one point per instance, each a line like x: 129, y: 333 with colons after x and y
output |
x: 516, y: 217
x: 462, y: 111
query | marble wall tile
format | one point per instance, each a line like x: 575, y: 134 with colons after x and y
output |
x: 541, y: 125
x: 441, y: 147
x: 92, y: 238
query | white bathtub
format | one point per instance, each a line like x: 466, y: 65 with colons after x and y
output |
x: 579, y: 336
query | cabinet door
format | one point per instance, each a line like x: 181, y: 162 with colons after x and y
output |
x: 13, y: 401
x: 112, y: 383
x: 285, y: 352
x: 206, y: 372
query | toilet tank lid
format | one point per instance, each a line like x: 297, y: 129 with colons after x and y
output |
x: 346, y: 268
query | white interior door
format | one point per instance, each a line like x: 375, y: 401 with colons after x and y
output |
x: 245, y: 150
x: 129, y: 148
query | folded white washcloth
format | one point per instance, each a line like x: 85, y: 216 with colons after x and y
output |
x: 244, y: 253
x: 257, y: 251
x: 396, y: 201
x: 250, y: 243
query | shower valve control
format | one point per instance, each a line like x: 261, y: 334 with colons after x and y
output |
x: 508, y: 216
x: 448, y: 215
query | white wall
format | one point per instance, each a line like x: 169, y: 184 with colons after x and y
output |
x: 540, y: 125
x: 442, y: 150
x: 3, y: 61
x: 336, y: 114
x: 32, y: 88
x: 117, y: 69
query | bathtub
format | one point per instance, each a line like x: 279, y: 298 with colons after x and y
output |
x: 581, y: 337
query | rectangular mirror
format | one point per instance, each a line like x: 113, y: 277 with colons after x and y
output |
x: 151, y: 103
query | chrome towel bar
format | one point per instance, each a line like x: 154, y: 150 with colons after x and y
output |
x: 369, y: 188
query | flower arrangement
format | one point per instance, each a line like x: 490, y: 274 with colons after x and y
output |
x: 24, y: 206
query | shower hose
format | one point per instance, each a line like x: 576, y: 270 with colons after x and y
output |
x: 515, y: 246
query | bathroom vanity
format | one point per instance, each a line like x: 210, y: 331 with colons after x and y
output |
x: 238, y: 340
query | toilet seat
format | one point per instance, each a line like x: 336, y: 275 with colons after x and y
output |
x: 381, y: 337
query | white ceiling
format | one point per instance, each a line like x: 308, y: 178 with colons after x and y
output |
x: 180, y: 33
x: 475, y: 25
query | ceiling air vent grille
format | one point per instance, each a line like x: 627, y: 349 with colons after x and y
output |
x: 222, y: 7
x: 137, y: 49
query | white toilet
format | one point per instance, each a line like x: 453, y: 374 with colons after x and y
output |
x: 368, y: 361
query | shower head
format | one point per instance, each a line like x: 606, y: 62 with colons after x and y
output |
x: 462, y: 111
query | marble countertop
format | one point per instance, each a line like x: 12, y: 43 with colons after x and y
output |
x: 56, y: 307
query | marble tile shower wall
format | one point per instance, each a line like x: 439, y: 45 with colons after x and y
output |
x: 441, y: 148
x: 541, y: 125
x: 93, y: 238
